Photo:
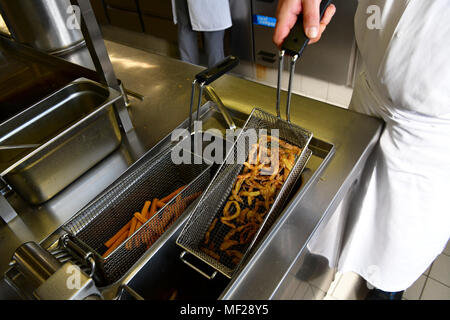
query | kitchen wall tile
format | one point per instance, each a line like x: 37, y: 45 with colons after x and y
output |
x: 306, y: 291
x: 324, y: 280
x: 414, y: 292
x: 301, y: 291
x: 296, y: 84
x: 290, y: 288
x: 440, y: 270
x: 314, y: 293
x: 339, y: 95
x: 315, y: 88
x: 245, y: 69
x: 427, y: 272
x: 351, y: 287
x: 435, y: 290
x: 335, y: 283
x: 447, y: 249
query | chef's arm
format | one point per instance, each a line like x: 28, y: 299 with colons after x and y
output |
x: 287, y: 13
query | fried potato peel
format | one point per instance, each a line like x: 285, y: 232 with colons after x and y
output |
x: 268, y: 165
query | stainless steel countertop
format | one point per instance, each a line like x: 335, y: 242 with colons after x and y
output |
x: 166, y: 83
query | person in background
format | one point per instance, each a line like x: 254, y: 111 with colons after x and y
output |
x: 398, y: 217
x: 212, y: 17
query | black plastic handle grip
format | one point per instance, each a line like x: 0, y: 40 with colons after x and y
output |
x: 209, y: 75
x: 297, y: 40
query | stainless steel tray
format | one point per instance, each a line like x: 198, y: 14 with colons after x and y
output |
x: 74, y: 128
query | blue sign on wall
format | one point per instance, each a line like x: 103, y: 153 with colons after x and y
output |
x: 264, y: 21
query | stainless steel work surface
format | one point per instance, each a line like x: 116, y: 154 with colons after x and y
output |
x: 73, y: 129
x: 166, y: 86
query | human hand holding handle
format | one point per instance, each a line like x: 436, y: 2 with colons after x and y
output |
x: 288, y: 11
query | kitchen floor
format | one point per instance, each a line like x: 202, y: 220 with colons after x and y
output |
x: 434, y: 284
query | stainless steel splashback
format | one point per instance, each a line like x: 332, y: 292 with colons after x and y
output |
x: 331, y: 59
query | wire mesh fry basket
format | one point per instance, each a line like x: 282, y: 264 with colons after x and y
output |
x: 151, y: 177
x: 213, y: 200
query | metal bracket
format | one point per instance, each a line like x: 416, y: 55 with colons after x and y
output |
x: 199, y: 102
x: 96, y: 46
x: 211, y: 95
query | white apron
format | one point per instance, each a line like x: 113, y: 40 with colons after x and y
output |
x: 207, y: 15
x: 399, y: 216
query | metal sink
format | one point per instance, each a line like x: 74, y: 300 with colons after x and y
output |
x: 74, y: 129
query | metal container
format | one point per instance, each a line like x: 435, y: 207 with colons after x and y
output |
x: 43, y: 24
x: 75, y: 128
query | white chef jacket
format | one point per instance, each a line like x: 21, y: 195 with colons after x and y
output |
x: 207, y: 15
x: 399, y: 217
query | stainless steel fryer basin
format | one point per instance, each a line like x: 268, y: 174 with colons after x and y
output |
x: 74, y: 128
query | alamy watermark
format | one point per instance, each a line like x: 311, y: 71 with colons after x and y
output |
x: 374, y: 19
x: 237, y: 147
x: 73, y: 17
x: 73, y: 281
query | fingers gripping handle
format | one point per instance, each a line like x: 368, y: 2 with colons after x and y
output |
x: 294, y: 45
x: 297, y: 40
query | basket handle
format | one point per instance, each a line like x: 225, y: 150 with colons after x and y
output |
x: 294, y: 45
x: 296, y: 42
x: 209, y: 277
x: 211, y: 74
x: 205, y: 78
x: 131, y: 292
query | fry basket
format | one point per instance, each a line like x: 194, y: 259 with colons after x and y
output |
x: 151, y: 177
x: 213, y: 200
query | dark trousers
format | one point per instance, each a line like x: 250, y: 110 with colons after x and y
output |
x: 187, y: 39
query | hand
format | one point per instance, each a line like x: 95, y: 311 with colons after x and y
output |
x: 287, y: 13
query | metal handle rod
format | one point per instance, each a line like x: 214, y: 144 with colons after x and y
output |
x: 20, y: 146
x: 211, y: 94
x: 134, y: 94
x: 291, y: 74
x: 280, y: 71
x: 191, y: 105
x: 200, y: 95
x: 207, y: 276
